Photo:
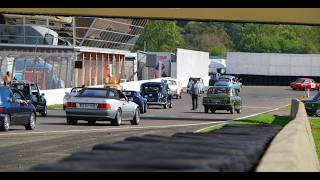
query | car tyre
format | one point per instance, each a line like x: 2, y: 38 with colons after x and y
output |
x: 212, y: 110
x: 238, y: 111
x: 71, y: 121
x: 165, y: 106
x: 145, y: 109
x: 136, y: 118
x: 206, y: 109
x: 32, y: 122
x: 45, y: 111
x: 317, y: 113
x: 170, y: 105
x: 6, y: 123
x: 232, y: 109
x: 92, y: 122
x: 117, y: 120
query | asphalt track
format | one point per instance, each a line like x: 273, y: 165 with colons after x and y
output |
x: 53, y: 139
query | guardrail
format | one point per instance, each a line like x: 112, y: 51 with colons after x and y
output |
x: 293, y: 149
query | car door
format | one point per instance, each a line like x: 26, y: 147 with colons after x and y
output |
x: 23, y: 108
x: 13, y: 108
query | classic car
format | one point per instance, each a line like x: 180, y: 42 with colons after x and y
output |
x: 137, y: 98
x: 222, y: 98
x: 15, y: 109
x: 101, y: 104
x: 312, y: 105
x: 174, y: 87
x: 304, y: 83
x: 31, y: 92
x: 230, y: 81
x: 156, y: 93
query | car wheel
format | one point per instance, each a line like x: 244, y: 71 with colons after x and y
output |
x: 136, y: 118
x: 232, y: 109
x: 117, y: 120
x: 318, y: 112
x: 64, y: 107
x: 165, y: 106
x: 32, y: 122
x: 45, y: 111
x: 72, y: 121
x: 141, y: 109
x: 238, y: 111
x: 294, y: 88
x: 212, y: 110
x: 92, y: 122
x: 206, y: 109
x: 170, y: 105
x: 6, y: 123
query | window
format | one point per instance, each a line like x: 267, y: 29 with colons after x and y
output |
x: 99, y: 93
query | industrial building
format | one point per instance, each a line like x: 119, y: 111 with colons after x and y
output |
x: 61, y: 52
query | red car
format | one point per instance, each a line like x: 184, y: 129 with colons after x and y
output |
x: 304, y: 83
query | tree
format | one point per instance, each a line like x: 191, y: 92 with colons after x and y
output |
x: 160, y: 36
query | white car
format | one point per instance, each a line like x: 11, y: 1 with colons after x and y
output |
x: 101, y: 104
x: 74, y: 91
x: 174, y: 86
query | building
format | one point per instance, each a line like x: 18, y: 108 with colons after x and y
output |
x: 45, y: 49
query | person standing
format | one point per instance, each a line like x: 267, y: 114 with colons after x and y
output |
x: 194, y: 90
x: 6, y: 78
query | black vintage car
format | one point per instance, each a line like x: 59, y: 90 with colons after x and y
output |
x: 31, y: 92
x: 156, y: 93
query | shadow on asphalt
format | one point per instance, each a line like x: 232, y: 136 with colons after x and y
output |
x: 197, y: 112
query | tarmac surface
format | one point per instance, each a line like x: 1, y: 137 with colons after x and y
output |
x: 53, y: 139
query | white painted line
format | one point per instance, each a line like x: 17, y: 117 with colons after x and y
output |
x: 244, y: 117
x: 253, y: 107
x: 110, y: 129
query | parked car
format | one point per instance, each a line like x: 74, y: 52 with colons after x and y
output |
x: 15, y: 109
x: 200, y: 85
x: 230, y: 81
x: 174, y: 87
x: 137, y: 98
x: 74, y: 91
x: 304, y: 83
x: 31, y: 92
x: 222, y: 98
x: 156, y: 93
x: 312, y: 105
x: 101, y: 104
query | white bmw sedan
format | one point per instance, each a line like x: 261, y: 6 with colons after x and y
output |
x: 101, y: 104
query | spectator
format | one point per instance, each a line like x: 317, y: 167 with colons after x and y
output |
x: 6, y: 78
x: 194, y: 90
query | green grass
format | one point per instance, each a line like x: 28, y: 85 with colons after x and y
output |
x: 286, y: 109
x: 55, y: 107
x: 315, y: 128
x: 258, y: 119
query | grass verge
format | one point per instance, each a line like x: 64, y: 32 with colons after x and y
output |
x: 258, y: 119
x: 315, y: 128
x: 55, y: 107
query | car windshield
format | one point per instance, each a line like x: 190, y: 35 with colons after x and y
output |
x: 224, y: 79
x: 97, y: 93
x: 218, y: 91
x: 152, y: 89
x: 299, y: 80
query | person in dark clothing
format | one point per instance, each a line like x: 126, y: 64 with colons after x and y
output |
x: 194, y: 90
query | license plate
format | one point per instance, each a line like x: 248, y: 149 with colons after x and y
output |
x: 88, y: 106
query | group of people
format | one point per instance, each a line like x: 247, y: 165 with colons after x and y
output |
x: 7, y: 79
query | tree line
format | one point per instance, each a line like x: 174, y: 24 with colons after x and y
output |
x: 221, y: 37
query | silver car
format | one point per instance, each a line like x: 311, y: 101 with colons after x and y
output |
x: 101, y: 104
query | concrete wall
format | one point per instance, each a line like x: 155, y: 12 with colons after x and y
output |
x: 273, y: 64
x: 293, y: 149
x: 192, y: 63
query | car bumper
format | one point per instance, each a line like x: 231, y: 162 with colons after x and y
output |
x: 98, y: 115
x: 218, y: 106
x: 156, y: 103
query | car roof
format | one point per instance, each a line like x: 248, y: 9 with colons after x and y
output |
x: 154, y: 83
